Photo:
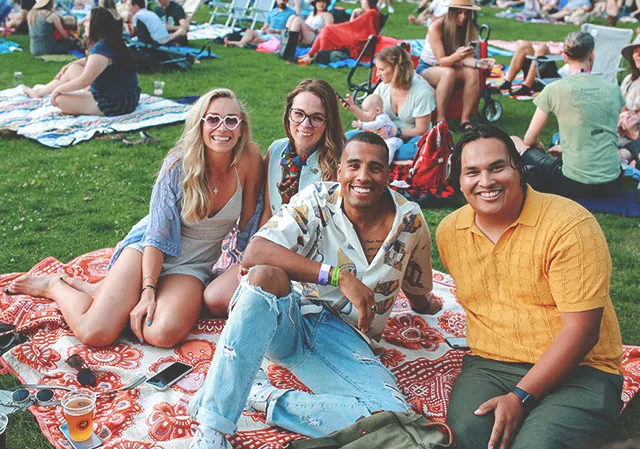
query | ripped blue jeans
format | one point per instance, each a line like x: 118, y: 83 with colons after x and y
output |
x: 326, y: 354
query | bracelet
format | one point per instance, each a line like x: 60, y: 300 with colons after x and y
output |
x: 476, y: 65
x: 335, y: 277
x: 152, y: 287
x: 399, y: 132
x: 155, y: 279
x: 324, y: 274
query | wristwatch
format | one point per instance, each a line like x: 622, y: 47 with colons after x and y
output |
x: 526, y: 399
x: 398, y: 132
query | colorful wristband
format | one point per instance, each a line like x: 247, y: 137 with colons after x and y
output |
x: 335, y: 277
x: 324, y: 274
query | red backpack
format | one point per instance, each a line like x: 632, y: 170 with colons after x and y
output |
x: 427, y: 181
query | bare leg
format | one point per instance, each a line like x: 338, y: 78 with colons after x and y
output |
x: 250, y: 36
x: 297, y: 24
x: 560, y: 14
x: 523, y: 50
x: 83, y: 286
x: 218, y: 294
x: 74, y: 71
x: 471, y: 91
x: 530, y: 78
x: 179, y: 302
x: 94, y: 321
x: 78, y: 103
x: 443, y: 79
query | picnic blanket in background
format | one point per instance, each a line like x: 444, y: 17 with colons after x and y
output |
x: 8, y: 46
x: 209, y: 31
x: 413, y: 349
x: 555, y: 48
x: 38, y: 119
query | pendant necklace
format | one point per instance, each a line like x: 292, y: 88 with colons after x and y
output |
x: 215, y: 188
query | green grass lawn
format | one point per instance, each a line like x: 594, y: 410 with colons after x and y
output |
x: 67, y: 202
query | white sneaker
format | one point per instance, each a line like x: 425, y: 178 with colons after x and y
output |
x: 209, y: 439
x: 261, y: 391
x: 390, y: 10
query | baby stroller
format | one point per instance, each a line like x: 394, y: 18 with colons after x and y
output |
x: 491, y: 110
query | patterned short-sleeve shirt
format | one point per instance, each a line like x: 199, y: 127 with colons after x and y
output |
x: 314, y: 225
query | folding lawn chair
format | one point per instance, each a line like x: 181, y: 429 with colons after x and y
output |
x: 190, y: 7
x: 260, y: 11
x: 153, y: 56
x: 223, y: 9
x: 606, y: 54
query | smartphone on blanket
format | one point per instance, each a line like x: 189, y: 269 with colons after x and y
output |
x: 169, y: 375
x: 457, y: 342
x: 91, y: 443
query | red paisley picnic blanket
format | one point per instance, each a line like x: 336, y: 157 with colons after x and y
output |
x: 143, y: 418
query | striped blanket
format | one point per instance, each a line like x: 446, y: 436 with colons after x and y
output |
x: 39, y: 120
x: 144, y: 418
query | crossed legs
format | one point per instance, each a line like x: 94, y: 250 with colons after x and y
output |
x: 74, y: 103
x: 98, y: 314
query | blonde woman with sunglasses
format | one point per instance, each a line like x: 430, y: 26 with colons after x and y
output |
x: 310, y: 153
x: 157, y: 275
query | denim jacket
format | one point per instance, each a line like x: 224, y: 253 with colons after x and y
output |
x: 161, y: 227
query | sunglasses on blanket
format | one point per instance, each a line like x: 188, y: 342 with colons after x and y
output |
x: 214, y: 121
x: 86, y: 377
x: 24, y: 398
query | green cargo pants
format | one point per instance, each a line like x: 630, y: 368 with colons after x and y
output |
x: 580, y: 414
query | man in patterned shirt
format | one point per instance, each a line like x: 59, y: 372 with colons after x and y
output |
x: 532, y: 272
x: 325, y: 272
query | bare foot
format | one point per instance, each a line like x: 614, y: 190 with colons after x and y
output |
x: 29, y: 92
x: 82, y: 286
x: 32, y: 285
x: 412, y: 19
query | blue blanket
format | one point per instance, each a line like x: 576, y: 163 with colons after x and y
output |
x: 8, y: 46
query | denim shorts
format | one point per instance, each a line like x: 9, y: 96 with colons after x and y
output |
x: 422, y: 66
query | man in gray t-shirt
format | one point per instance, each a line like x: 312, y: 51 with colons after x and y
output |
x: 587, y: 109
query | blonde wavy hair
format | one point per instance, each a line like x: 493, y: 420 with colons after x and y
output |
x: 398, y: 58
x: 332, y: 141
x: 192, y: 153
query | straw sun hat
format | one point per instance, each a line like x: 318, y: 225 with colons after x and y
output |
x: 628, y: 50
x: 464, y: 4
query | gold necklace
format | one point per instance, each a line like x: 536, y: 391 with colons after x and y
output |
x: 215, y: 187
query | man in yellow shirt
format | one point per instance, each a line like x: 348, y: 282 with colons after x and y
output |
x: 532, y: 272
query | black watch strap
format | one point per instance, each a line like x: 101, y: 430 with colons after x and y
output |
x: 526, y: 399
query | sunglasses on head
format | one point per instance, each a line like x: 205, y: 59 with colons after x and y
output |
x: 214, y: 121
x: 86, y: 377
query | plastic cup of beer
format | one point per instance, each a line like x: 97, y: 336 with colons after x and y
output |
x: 78, y: 411
x: 158, y: 88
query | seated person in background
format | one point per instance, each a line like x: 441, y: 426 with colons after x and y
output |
x: 373, y: 118
x: 587, y: 109
x: 108, y: 71
x: 18, y: 20
x: 447, y: 59
x: 44, y: 26
x: 308, y: 28
x: 407, y: 99
x: 629, y: 140
x: 276, y: 22
x: 428, y: 11
x: 532, y: 272
x: 519, y: 61
x: 570, y: 7
x: 365, y: 5
x: 146, y: 25
x: 175, y: 20
x: 312, y: 303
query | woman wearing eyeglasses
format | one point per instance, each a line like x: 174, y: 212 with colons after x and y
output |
x: 310, y: 153
x: 156, y: 278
